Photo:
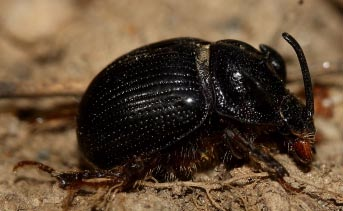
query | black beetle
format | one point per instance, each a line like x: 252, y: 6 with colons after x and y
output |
x: 176, y: 106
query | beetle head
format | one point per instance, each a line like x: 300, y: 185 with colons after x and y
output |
x: 298, y: 118
x: 301, y: 129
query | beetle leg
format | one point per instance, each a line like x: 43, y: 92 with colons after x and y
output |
x: 235, y: 149
x: 247, y: 147
x: 117, y: 177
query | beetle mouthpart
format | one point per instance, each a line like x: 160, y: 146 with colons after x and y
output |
x: 303, y: 151
x: 308, y: 114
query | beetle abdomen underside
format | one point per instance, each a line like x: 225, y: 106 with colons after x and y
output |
x: 141, y: 103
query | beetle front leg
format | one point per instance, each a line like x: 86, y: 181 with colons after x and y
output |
x: 238, y: 143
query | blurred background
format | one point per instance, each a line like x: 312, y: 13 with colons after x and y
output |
x: 51, y: 50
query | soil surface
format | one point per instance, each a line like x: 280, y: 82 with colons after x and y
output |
x: 51, y: 50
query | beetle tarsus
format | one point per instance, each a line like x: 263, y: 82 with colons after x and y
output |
x: 288, y: 187
x: 36, y: 164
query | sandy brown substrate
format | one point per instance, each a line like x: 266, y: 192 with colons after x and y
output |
x: 51, y: 48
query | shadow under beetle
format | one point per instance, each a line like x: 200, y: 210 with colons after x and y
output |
x: 177, y: 106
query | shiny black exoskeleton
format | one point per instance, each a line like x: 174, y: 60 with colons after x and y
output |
x: 160, y: 95
x: 170, y: 108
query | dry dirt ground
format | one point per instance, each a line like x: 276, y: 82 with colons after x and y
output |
x: 50, y: 50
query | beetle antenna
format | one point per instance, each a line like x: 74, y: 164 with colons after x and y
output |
x: 305, y: 73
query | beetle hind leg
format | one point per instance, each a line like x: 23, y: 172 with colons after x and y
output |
x: 76, y: 180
